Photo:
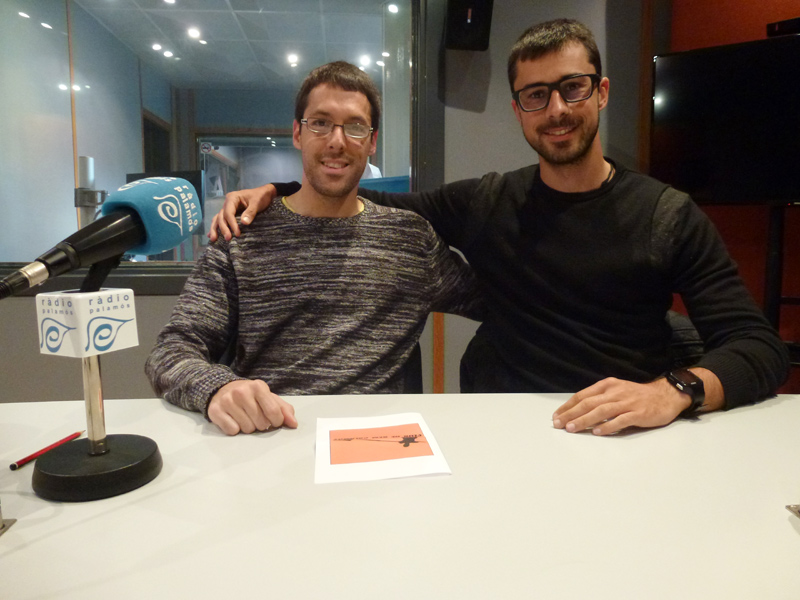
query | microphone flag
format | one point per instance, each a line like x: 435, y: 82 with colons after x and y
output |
x: 87, y: 324
x: 168, y: 207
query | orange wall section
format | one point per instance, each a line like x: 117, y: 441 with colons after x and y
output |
x: 704, y: 23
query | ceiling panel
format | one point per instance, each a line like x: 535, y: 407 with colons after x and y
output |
x: 289, y: 27
x: 356, y: 29
x: 276, y: 5
x: 247, y: 40
x: 212, y: 25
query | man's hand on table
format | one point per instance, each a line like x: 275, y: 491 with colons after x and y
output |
x: 253, y: 201
x: 611, y: 405
x: 248, y: 406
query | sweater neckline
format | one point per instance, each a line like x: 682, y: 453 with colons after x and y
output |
x: 280, y: 207
x: 540, y: 187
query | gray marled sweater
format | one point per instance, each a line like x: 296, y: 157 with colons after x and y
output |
x: 317, y: 305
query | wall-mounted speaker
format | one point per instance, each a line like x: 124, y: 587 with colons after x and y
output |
x: 468, y: 24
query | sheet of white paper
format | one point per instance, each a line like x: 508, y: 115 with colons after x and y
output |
x: 371, y: 448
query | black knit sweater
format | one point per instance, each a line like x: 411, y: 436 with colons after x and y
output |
x: 578, y: 284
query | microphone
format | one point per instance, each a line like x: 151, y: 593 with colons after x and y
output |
x: 147, y: 216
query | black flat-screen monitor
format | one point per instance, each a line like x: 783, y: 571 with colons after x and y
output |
x: 726, y: 122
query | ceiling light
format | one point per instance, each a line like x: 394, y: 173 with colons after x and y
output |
x: 393, y: 8
x: 385, y: 54
x: 194, y: 32
x: 77, y: 88
x: 269, y: 138
x: 380, y: 63
x: 177, y: 58
x: 63, y: 87
x: 22, y: 14
x: 292, y: 58
x: 203, y: 42
x: 88, y: 87
x: 156, y: 46
x: 168, y: 54
x: 170, y: 1
x: 46, y: 26
x: 365, y: 60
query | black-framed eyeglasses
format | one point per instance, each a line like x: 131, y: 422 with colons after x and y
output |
x: 323, y: 127
x: 572, y: 88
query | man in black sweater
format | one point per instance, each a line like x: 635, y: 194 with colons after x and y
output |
x: 579, y: 259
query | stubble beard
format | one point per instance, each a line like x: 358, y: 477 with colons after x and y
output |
x: 333, y: 191
x: 568, y: 155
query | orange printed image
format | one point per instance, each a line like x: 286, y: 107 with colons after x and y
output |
x: 379, y: 443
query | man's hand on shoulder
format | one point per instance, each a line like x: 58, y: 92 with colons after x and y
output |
x: 612, y: 404
x: 248, y: 406
x: 251, y: 201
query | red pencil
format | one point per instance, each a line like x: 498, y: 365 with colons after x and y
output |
x: 24, y: 461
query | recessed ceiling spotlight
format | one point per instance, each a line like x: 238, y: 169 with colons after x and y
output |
x: 77, y: 88
x: 380, y: 63
x: 170, y: 1
x: 168, y: 54
x: 177, y: 58
x: 193, y: 32
x: 385, y: 54
x: 365, y: 60
x: 203, y: 42
x: 361, y: 68
x: 22, y: 14
x: 393, y: 8
x: 292, y: 58
x: 88, y: 87
x: 63, y: 87
x: 156, y: 47
x: 46, y: 26
x: 269, y: 138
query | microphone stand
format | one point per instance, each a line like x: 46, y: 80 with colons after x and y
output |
x: 92, y: 384
x: 99, y: 466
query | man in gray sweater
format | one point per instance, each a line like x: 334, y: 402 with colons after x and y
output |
x: 326, y: 293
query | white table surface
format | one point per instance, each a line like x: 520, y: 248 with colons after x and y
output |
x: 692, y: 510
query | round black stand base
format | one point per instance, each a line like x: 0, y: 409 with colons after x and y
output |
x: 70, y: 474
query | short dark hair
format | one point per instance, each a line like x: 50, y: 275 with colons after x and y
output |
x: 344, y: 76
x: 552, y: 36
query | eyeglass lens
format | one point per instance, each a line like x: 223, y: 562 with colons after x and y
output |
x: 572, y: 89
x: 324, y: 127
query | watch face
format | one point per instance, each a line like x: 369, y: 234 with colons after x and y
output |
x: 687, y: 382
x: 686, y: 378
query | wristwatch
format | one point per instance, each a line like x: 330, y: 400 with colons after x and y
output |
x: 689, y: 383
